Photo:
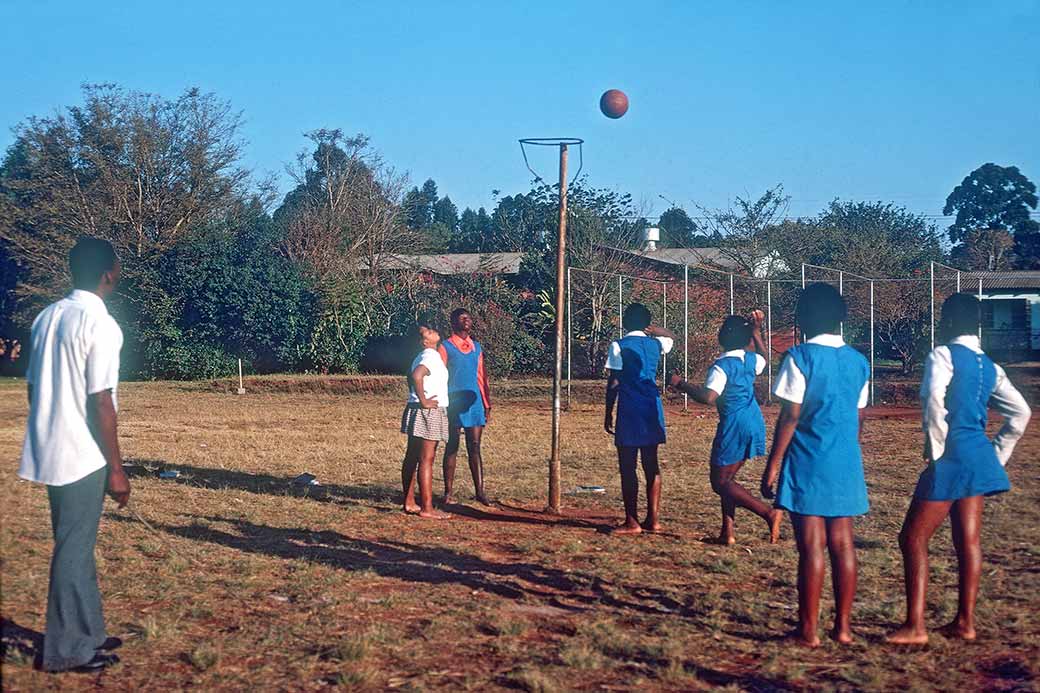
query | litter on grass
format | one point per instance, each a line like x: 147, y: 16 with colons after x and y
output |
x: 306, y: 479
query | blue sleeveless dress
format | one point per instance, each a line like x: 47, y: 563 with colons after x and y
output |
x: 969, y: 465
x: 640, y: 414
x: 741, y: 433
x: 467, y: 404
x: 822, y: 472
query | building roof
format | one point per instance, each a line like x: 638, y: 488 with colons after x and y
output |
x: 456, y: 263
x: 1028, y: 279
x: 694, y: 257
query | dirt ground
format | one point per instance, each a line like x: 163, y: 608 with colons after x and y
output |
x: 243, y: 581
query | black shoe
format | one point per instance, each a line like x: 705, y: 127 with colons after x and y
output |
x: 100, y: 661
x: 112, y: 643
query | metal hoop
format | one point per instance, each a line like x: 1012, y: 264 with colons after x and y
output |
x: 553, y: 142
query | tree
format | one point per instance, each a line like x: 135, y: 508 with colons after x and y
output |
x: 343, y: 226
x: 133, y: 168
x: 994, y: 198
x: 678, y: 230
x: 475, y: 233
x: 743, y: 231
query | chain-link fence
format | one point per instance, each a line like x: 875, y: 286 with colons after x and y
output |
x: 891, y: 321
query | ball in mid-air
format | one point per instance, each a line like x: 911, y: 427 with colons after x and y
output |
x: 613, y: 103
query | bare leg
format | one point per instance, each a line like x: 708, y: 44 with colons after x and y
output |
x: 733, y: 495
x: 966, y: 523
x: 426, y: 454
x: 810, y: 533
x: 629, y: 490
x: 451, y: 454
x: 652, y: 472
x: 408, y: 468
x: 842, y: 549
x: 922, y: 519
x: 476, y: 462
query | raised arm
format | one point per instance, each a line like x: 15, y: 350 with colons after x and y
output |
x: 756, y: 317
x: 657, y: 331
x: 1011, y: 405
x: 101, y: 413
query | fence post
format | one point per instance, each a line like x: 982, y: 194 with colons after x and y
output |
x: 570, y: 326
x: 803, y: 275
x: 731, y: 303
x: 841, y: 292
x: 686, y: 333
x: 664, y: 324
x: 931, y: 284
x: 980, y: 312
x: 769, y: 342
x: 871, y: 342
x: 620, y: 310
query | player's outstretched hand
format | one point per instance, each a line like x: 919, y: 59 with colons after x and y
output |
x: 673, y: 380
x: 756, y: 317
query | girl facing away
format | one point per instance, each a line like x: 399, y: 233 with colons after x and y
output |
x: 425, y: 422
x: 741, y: 432
x: 632, y: 384
x: 816, y: 455
x: 963, y: 466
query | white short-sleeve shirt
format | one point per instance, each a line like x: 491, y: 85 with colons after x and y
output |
x: 716, y: 379
x: 790, y: 381
x: 436, y: 383
x: 614, y: 362
x: 1006, y: 399
x: 74, y: 353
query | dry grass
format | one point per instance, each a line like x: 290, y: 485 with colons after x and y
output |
x: 252, y: 584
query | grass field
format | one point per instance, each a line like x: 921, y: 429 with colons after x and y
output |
x: 250, y: 584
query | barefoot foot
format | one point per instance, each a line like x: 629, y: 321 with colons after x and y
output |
x: 482, y: 499
x: 412, y: 508
x: 651, y: 527
x: 958, y: 631
x: 627, y: 528
x: 776, y: 516
x: 907, y: 635
x: 434, y: 515
x: 842, y: 637
x: 799, y: 638
x: 448, y: 500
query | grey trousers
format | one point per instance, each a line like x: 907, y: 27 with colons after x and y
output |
x: 75, y: 626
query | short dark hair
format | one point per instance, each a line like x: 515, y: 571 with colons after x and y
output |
x: 89, y: 259
x: 735, y: 332
x: 820, y: 309
x: 458, y: 313
x: 636, y: 317
x: 961, y: 314
x: 424, y: 322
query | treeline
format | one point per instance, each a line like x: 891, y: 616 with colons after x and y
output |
x: 216, y: 268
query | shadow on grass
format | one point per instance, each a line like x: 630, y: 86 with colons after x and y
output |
x: 20, y: 644
x: 569, y: 590
x: 267, y: 484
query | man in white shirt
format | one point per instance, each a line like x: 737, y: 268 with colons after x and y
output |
x: 71, y: 446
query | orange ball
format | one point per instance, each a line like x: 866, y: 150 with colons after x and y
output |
x: 613, y: 103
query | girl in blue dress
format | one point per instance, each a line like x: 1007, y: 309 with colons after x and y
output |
x: 741, y: 432
x: 632, y: 384
x: 816, y: 454
x: 960, y: 383
x: 470, y: 409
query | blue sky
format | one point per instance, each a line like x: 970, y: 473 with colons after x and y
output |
x: 895, y: 101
